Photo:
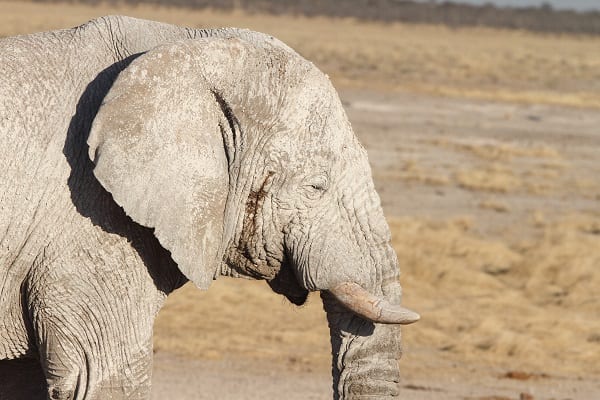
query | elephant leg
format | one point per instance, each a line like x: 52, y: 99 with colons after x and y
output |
x: 22, y: 379
x: 93, y: 338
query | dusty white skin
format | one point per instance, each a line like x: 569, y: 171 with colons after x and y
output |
x: 229, y: 154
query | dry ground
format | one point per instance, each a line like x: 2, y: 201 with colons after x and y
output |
x: 484, y: 145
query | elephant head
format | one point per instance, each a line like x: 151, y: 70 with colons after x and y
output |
x: 238, y: 152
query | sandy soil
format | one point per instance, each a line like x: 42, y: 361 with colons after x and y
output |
x: 183, y: 378
x: 494, y: 209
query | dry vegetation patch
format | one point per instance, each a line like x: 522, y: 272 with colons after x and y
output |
x: 503, y: 167
x: 521, y: 307
x: 490, y: 204
x: 413, y: 173
x: 494, y: 150
x: 493, y: 178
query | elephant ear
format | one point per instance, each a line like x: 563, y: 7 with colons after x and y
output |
x: 157, y: 146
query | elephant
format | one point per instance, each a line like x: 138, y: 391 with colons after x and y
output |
x: 137, y: 156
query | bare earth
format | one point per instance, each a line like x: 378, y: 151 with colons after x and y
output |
x: 484, y: 146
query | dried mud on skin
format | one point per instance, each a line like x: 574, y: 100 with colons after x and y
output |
x: 494, y: 208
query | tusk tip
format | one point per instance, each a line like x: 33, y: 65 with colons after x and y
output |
x: 411, y: 317
x: 399, y: 315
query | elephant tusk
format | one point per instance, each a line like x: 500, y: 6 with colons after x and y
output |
x: 371, y: 307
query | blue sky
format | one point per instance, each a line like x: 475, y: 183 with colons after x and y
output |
x: 581, y: 5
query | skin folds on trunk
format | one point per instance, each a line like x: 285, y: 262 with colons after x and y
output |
x: 365, y: 354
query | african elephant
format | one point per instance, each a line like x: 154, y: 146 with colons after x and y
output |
x: 136, y: 156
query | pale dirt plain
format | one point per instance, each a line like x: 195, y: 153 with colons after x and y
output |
x: 485, y: 148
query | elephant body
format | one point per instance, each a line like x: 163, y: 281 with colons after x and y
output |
x: 88, y: 252
x: 62, y: 236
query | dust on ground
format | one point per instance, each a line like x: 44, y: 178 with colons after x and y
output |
x: 484, y: 147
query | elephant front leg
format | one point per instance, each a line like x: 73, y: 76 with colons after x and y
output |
x: 94, y: 340
x: 75, y: 372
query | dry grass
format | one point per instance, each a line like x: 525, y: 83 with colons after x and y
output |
x: 504, y: 167
x: 494, y: 205
x: 493, y: 178
x: 493, y: 150
x: 467, y: 62
x: 524, y: 307
x: 412, y: 173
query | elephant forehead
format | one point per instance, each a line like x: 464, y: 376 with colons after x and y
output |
x: 310, y: 140
x: 316, y: 120
x: 329, y: 156
x: 294, y: 155
x: 325, y: 149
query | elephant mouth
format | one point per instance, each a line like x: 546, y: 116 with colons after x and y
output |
x: 296, y: 295
x: 297, y: 300
x: 286, y: 284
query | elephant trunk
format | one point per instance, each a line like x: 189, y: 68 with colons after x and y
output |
x: 364, y: 354
x: 365, y: 333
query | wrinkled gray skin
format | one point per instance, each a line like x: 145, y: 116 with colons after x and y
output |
x: 229, y: 155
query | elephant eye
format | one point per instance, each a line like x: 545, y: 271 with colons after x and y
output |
x: 315, y: 186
